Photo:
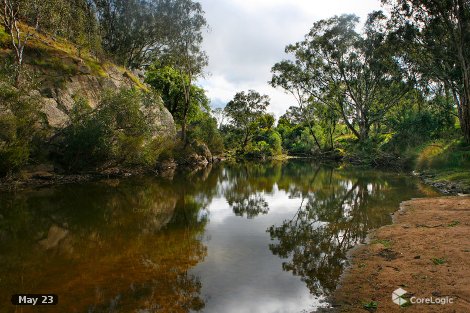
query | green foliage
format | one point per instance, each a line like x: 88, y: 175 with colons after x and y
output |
x: 129, y: 28
x: 443, y: 154
x: 275, y: 142
x: 298, y: 140
x: 266, y: 144
x: 251, y: 130
x: 371, y: 306
x: 416, y: 128
x: 4, y: 37
x: 231, y: 137
x: 359, y: 92
x: 204, y: 128
x: 438, y: 261
x: 258, y: 150
x: 72, y: 20
x: 20, y: 118
x: 170, y: 83
x: 339, y: 72
x: 385, y: 242
x: 246, y: 109
x: 134, y: 32
x: 454, y: 223
x: 120, y: 130
x: 433, y: 37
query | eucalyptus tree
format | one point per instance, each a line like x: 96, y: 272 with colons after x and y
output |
x: 244, y: 111
x: 353, y: 74
x: 220, y: 116
x: 434, y: 37
x: 170, y: 84
x: 183, y: 50
x: 10, y: 14
x: 290, y: 76
x: 132, y: 30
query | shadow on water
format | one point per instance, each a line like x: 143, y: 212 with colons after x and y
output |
x: 111, y: 246
x: 129, y: 245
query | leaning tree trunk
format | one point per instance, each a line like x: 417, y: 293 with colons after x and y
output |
x: 183, y: 126
x: 364, y: 128
x: 464, y: 109
x: 464, y: 118
x: 464, y: 58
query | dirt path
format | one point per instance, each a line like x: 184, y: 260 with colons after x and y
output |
x: 426, y: 252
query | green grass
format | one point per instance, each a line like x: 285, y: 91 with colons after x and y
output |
x: 386, y: 243
x: 134, y: 79
x: 4, y: 38
x: 442, y: 154
x: 446, y: 162
x: 56, y: 64
x: 438, y: 261
x: 453, y: 224
x: 371, y: 305
x: 96, y: 67
x: 58, y: 58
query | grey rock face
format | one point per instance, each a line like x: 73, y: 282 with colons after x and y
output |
x: 59, y: 101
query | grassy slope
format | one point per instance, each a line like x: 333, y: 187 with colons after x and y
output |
x: 446, y: 162
x: 56, y: 59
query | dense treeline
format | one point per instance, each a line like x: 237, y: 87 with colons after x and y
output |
x: 161, y: 38
x: 132, y: 32
x: 361, y: 93
x: 375, y: 93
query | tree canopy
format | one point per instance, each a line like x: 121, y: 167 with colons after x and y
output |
x: 433, y: 37
x: 352, y: 74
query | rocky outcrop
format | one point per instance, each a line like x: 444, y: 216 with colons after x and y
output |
x: 54, y: 236
x: 58, y: 98
x: 194, y: 155
x: 203, y: 150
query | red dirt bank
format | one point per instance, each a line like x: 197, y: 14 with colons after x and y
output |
x: 425, y: 252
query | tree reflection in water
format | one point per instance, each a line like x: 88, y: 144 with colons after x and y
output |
x: 335, y: 213
x: 251, y: 206
x: 247, y: 183
x: 130, y: 245
x: 114, y: 246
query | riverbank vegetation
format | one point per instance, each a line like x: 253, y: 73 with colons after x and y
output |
x: 391, y: 92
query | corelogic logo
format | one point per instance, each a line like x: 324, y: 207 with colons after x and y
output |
x: 397, y: 296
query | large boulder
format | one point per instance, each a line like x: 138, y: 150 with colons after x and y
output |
x: 203, y: 150
x: 58, y: 99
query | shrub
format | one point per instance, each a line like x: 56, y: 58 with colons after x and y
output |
x: 258, y: 150
x: 275, y: 142
x: 417, y: 128
x: 121, y: 130
x: 204, y: 128
x: 20, y: 118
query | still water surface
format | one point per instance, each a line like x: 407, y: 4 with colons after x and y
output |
x: 255, y: 238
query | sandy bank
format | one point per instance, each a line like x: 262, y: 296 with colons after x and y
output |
x: 426, y: 252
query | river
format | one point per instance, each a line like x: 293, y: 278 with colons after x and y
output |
x: 238, y: 238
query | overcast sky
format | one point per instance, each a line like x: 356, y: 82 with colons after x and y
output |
x: 247, y: 37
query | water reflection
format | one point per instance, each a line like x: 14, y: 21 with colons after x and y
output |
x: 336, y: 211
x: 245, y: 185
x: 179, y: 244
x: 112, y: 246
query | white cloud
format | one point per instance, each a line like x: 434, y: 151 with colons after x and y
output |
x: 248, y: 37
